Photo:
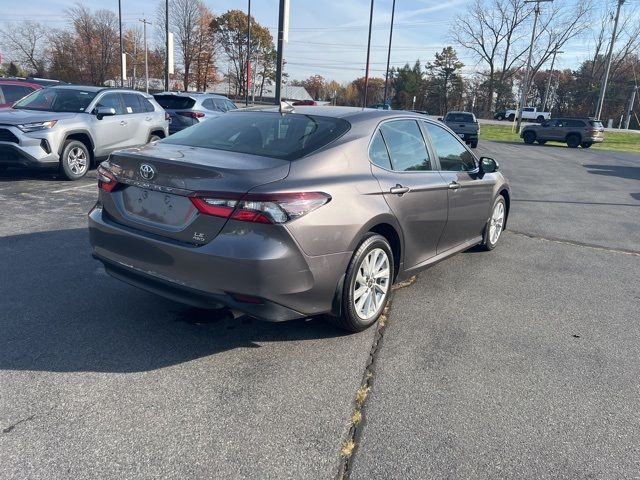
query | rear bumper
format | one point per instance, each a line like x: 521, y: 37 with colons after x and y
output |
x: 241, y: 261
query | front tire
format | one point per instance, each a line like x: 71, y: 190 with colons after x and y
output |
x: 529, y: 137
x: 495, y: 224
x: 474, y: 143
x: 541, y: 142
x: 540, y: 119
x: 500, y: 117
x: 367, y: 284
x: 512, y: 117
x: 154, y: 138
x: 75, y: 160
x: 586, y: 144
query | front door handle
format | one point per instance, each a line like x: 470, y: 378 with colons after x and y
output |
x: 454, y: 186
x: 122, y: 122
x: 399, y: 189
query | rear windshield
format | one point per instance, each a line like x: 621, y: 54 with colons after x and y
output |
x: 596, y: 124
x: 269, y: 134
x: 460, y: 117
x: 174, y: 102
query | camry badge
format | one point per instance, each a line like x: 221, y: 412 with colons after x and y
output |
x: 146, y: 171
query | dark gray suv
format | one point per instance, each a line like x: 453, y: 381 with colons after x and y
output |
x: 287, y: 215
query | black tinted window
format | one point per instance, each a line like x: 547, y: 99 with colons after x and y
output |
x: 111, y: 100
x: 132, y: 103
x: 406, y: 146
x: 147, y: 105
x: 13, y: 93
x: 174, y: 102
x: 269, y: 134
x: 57, y: 100
x: 574, y: 123
x: 378, y: 152
x: 452, y: 154
x: 460, y: 117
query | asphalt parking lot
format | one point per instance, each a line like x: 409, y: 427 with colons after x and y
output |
x: 518, y: 363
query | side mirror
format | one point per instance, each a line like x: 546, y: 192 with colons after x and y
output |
x: 104, y: 112
x: 440, y: 119
x: 488, y: 165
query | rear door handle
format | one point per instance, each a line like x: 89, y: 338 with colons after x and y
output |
x: 454, y: 186
x: 399, y: 189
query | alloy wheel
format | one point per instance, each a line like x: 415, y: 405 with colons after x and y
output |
x: 77, y: 161
x: 496, y: 222
x: 371, y: 284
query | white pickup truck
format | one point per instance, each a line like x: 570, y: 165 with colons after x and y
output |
x: 528, y: 113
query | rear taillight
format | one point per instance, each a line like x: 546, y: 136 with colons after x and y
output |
x: 191, y: 114
x: 260, y: 208
x: 167, y: 116
x: 106, y: 180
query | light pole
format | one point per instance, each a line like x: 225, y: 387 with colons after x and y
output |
x: 146, y: 57
x: 166, y: 32
x: 630, y: 109
x: 546, y: 93
x: 248, y: 65
x: 386, y: 76
x: 525, y: 85
x: 366, y: 74
x: 603, y: 88
x: 122, y: 73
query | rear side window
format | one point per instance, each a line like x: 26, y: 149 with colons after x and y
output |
x: 13, y: 93
x: 132, y: 103
x: 378, y: 152
x: 406, y: 146
x: 460, y: 117
x: 174, y: 102
x: 574, y: 123
x: 147, y: 105
x: 268, y: 134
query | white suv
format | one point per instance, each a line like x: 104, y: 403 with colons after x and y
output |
x: 71, y: 126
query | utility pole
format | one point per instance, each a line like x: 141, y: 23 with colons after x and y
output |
x: 525, y: 84
x: 166, y: 32
x: 603, y: 88
x: 122, y: 73
x: 546, y: 93
x: 281, y: 26
x: 366, y: 74
x: 386, y: 76
x: 248, y: 65
x: 630, y: 109
x: 146, y: 57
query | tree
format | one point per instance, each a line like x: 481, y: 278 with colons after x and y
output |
x: 408, y: 82
x: 25, y: 42
x: 315, y: 85
x: 445, y: 79
x: 230, y: 31
x: 204, y: 59
x: 375, y: 91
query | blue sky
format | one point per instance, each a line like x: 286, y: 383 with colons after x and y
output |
x: 327, y: 37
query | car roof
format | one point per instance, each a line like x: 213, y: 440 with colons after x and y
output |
x: 192, y: 94
x: 9, y: 81
x: 456, y: 111
x: 92, y: 88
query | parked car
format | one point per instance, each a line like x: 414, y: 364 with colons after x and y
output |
x: 43, y: 82
x: 465, y: 125
x: 304, y: 102
x: 288, y: 215
x: 572, y: 131
x: 71, y: 126
x: 528, y: 113
x: 421, y: 112
x: 500, y: 115
x: 13, y: 90
x: 187, y: 109
x: 380, y: 106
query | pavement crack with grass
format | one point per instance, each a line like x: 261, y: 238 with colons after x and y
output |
x: 349, y: 445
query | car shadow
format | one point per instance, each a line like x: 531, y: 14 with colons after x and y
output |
x: 60, y: 312
x: 12, y: 174
x: 614, y: 171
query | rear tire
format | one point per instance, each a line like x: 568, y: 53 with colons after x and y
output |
x: 367, y: 284
x: 541, y: 142
x: 529, y: 137
x: 493, y: 229
x: 154, y: 138
x: 586, y: 144
x: 512, y: 117
x: 540, y: 119
x: 75, y: 160
x: 474, y: 143
x: 573, y: 141
x: 500, y: 117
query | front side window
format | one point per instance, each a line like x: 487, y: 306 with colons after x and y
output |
x: 13, y: 93
x: 406, y: 146
x: 111, y: 100
x: 453, y: 155
x: 378, y: 152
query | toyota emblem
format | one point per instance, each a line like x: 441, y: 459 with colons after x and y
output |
x: 146, y: 171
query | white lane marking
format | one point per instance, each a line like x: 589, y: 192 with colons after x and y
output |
x: 92, y: 185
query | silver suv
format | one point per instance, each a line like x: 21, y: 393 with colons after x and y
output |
x: 187, y: 109
x: 71, y: 126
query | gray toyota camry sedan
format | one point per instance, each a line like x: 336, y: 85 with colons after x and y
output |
x: 284, y: 215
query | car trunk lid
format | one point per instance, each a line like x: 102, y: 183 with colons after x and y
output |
x: 156, y: 184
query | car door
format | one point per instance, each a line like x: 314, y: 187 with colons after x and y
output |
x: 411, y: 185
x: 138, y: 121
x: 111, y: 131
x: 545, y: 130
x: 469, y: 195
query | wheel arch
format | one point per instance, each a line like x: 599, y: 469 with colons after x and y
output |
x: 82, y: 136
x: 507, y: 200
